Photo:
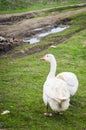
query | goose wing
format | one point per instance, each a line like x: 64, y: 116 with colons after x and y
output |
x: 69, y: 77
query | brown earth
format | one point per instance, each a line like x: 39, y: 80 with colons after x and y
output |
x: 20, y: 26
x: 35, y: 49
x: 23, y: 27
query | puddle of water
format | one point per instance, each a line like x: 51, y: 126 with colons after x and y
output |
x: 54, y: 30
x: 32, y: 40
x: 41, y: 35
x: 58, y: 29
x: 44, y: 34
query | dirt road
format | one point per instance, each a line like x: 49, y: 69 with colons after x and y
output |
x: 23, y: 27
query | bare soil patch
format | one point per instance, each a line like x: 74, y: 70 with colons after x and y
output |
x: 36, y: 49
x: 23, y: 28
x: 17, y: 25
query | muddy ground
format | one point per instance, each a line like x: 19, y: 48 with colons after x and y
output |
x: 20, y: 25
x: 17, y: 25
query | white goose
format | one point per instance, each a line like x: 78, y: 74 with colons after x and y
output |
x: 55, y: 90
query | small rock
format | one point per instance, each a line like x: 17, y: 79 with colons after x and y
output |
x: 2, y: 39
x: 53, y: 46
x: 5, y: 112
x: 22, y: 51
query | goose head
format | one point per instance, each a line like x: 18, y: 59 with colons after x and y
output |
x: 48, y: 57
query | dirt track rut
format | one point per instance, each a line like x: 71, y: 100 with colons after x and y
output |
x: 21, y: 28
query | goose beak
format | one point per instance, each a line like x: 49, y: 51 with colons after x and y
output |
x: 42, y: 58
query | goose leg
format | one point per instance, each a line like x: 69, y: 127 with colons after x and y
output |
x: 60, y: 113
x: 47, y: 113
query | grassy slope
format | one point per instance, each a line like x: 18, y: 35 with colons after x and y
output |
x: 16, y: 7
x: 21, y: 84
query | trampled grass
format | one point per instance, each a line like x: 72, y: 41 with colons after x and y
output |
x: 21, y: 85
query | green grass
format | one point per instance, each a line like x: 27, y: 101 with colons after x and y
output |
x: 22, y: 79
x: 10, y: 7
x: 21, y: 88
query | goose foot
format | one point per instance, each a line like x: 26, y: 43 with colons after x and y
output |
x: 48, y: 114
x: 60, y: 113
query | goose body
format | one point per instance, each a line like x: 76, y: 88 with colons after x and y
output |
x: 56, y: 94
x: 55, y: 90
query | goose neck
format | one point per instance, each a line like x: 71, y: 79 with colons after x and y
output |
x: 52, y: 69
